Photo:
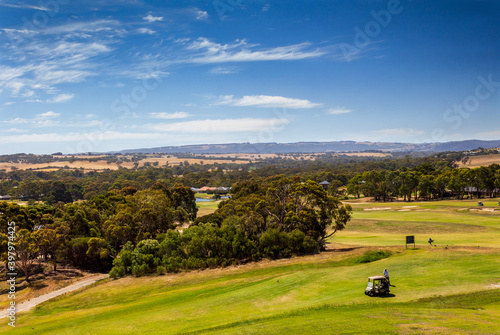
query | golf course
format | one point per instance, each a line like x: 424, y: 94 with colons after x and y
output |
x: 450, y: 287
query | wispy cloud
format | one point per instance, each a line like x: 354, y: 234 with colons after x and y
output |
x: 84, y: 29
x: 170, y: 116
x: 61, y: 98
x: 24, y: 6
x: 219, y: 126
x: 338, y: 110
x: 224, y: 70
x: 489, y: 135
x: 267, y: 101
x: 401, y: 133
x: 52, y: 61
x: 16, y: 130
x: 48, y: 114
x: 201, y: 15
x: 75, y: 137
x: 146, y: 31
x: 204, y: 51
x: 150, y: 18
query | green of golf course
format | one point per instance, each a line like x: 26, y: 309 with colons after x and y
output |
x: 450, y: 288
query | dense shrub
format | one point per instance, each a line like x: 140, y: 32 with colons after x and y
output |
x: 372, y: 256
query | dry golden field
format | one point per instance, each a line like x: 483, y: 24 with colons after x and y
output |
x: 100, y: 165
x: 103, y: 165
x: 483, y: 160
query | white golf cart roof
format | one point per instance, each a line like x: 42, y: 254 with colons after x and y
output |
x: 376, y: 278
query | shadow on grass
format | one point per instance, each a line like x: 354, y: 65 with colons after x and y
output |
x: 390, y: 295
x: 38, y: 285
x: 342, y: 249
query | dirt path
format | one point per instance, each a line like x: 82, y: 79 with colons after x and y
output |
x: 27, y: 305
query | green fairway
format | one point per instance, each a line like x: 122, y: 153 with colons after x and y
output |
x: 206, y: 207
x: 452, y: 223
x: 437, y: 290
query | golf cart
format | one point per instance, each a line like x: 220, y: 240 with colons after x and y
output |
x: 377, y: 285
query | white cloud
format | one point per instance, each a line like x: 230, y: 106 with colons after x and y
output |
x: 219, y: 126
x: 146, y: 31
x: 50, y: 63
x: 201, y: 15
x: 224, y: 70
x: 84, y: 29
x: 208, y: 52
x: 26, y: 6
x: 338, y: 110
x: 48, y: 114
x: 61, y: 98
x: 488, y: 135
x: 170, y: 116
x: 399, y: 132
x: 267, y: 101
x: 150, y: 18
x: 16, y: 130
x: 46, y: 123
x: 74, y: 137
x: 17, y: 120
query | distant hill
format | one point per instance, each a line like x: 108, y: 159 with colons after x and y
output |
x: 317, y: 147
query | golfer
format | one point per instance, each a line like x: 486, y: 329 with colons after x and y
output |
x: 386, y: 275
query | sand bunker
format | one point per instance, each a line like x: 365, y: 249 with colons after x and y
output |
x: 483, y: 209
x: 377, y: 208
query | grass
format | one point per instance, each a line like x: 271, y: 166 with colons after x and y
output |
x: 437, y: 290
x: 481, y: 160
x: 206, y: 207
x: 453, y: 223
x: 260, y: 297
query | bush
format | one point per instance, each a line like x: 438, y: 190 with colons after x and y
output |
x: 160, y: 270
x: 372, y: 256
x: 140, y: 270
x: 117, y: 272
x: 275, y: 244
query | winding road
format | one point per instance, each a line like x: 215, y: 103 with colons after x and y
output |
x: 27, y: 305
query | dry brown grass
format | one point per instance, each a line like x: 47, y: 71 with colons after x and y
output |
x: 103, y: 165
x: 45, y: 283
x: 162, y: 160
x: 367, y: 154
x: 483, y: 160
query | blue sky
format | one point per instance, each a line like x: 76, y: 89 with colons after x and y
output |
x: 79, y: 76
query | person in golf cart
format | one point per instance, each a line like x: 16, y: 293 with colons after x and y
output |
x: 386, y: 275
x: 377, y: 285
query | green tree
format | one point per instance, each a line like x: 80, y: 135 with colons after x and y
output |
x: 183, y: 197
x: 26, y: 251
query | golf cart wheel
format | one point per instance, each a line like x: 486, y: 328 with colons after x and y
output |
x: 370, y: 294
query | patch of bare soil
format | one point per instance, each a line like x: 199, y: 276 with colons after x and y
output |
x: 485, y: 209
x: 42, y: 283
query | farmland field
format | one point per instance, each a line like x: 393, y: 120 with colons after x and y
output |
x: 101, y: 165
x: 451, y: 288
x: 99, y: 162
x: 481, y: 160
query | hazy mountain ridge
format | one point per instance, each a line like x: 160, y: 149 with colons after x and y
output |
x: 317, y: 147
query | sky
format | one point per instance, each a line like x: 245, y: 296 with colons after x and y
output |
x: 104, y: 75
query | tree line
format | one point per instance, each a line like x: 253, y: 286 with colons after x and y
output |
x: 145, y: 221
x: 427, y: 183
x: 137, y: 232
